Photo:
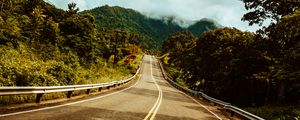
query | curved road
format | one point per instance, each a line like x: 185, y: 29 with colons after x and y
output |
x: 151, y: 97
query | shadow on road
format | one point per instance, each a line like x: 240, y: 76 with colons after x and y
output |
x: 88, y: 113
x: 168, y: 95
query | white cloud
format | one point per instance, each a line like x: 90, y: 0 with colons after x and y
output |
x: 226, y: 12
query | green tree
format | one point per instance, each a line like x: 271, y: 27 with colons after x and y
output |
x: 285, y: 36
x: 260, y: 10
x: 227, y: 66
x: 280, y: 43
x: 10, y: 31
x: 179, y: 46
x: 38, y: 19
x: 72, y: 9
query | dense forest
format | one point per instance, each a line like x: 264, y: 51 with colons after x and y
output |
x: 41, y: 45
x: 259, y: 69
x: 153, y: 32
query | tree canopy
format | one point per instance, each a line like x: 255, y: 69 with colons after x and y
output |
x: 260, y: 10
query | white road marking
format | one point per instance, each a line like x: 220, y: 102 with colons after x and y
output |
x: 196, y: 102
x: 47, y: 108
x: 157, y: 104
x: 202, y: 105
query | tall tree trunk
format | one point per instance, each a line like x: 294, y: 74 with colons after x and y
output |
x: 11, y: 4
x: 267, y: 97
x: 115, y: 54
x: 281, y: 92
x: 2, y: 5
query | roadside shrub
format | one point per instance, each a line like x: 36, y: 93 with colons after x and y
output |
x: 64, y: 74
x: 276, y: 112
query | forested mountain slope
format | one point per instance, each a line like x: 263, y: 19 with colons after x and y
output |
x: 202, y: 26
x: 153, y: 32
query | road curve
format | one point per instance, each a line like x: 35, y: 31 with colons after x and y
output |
x: 151, y: 97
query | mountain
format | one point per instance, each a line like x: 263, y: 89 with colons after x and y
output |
x: 203, y: 25
x: 153, y: 32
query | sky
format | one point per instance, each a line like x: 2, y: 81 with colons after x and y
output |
x: 226, y: 12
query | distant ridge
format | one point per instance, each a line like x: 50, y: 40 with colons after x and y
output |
x: 153, y: 31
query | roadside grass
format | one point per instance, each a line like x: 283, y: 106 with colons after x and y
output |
x: 278, y: 112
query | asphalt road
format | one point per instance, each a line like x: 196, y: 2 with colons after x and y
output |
x: 151, y: 97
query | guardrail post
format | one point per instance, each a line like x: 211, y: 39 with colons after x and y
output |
x: 69, y: 94
x: 99, y: 89
x: 38, y: 97
x: 198, y: 95
x: 88, y: 91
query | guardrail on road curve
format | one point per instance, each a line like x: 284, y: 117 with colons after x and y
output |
x: 225, y: 105
x: 39, y: 91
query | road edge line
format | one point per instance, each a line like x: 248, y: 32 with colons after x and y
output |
x: 193, y: 99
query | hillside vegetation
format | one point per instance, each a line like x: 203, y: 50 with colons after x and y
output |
x: 41, y: 45
x: 153, y: 32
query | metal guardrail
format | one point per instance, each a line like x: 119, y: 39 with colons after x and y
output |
x: 242, y: 113
x: 39, y: 91
x: 225, y: 105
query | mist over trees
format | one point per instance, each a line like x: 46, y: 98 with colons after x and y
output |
x: 153, y: 31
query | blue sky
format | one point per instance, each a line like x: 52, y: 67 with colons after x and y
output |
x: 226, y: 12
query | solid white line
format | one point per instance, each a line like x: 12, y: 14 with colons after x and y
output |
x: 154, y: 106
x: 157, y: 107
x: 201, y: 105
x: 47, y: 108
x: 159, y: 99
x: 196, y: 102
